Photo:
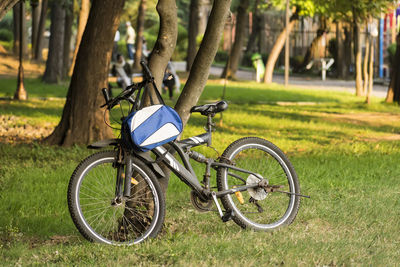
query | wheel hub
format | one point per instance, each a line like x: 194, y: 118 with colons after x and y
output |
x: 257, y: 193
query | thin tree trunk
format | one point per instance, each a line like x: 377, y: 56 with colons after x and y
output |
x: 255, y: 30
x: 16, y: 28
x: 17, y: 21
x: 54, y: 63
x: 139, y: 35
x: 277, y: 48
x: 340, y: 66
x: 82, y: 121
x: 365, y: 65
x: 35, y: 4
x: 358, y: 56
x: 201, y: 66
x: 236, y: 52
x: 69, y: 18
x: 371, y: 71
x: 83, y: 17
x: 42, y: 24
x: 193, y: 31
x: 394, y: 86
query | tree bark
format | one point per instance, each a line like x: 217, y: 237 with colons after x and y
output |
x: 16, y: 28
x: 139, y: 35
x: 236, y: 52
x: 252, y: 44
x: 340, y: 66
x: 201, y: 66
x: 365, y: 65
x: 371, y: 71
x: 315, y: 50
x: 166, y: 39
x: 82, y: 121
x: 39, y: 38
x: 5, y: 6
x: 54, y: 63
x: 83, y: 17
x: 277, y: 48
x: 69, y: 18
x: 358, y: 56
x: 35, y: 4
x: 393, y: 94
x: 17, y: 20
x: 193, y: 31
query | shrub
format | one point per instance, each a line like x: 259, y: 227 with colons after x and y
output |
x: 6, y: 35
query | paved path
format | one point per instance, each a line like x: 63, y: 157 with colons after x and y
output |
x: 301, y: 82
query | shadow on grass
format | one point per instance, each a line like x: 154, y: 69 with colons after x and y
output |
x: 32, y: 108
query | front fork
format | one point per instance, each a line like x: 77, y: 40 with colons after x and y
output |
x: 124, y: 174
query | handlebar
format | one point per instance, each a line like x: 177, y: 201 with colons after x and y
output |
x: 129, y: 90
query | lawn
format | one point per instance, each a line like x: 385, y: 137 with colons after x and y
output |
x: 346, y: 154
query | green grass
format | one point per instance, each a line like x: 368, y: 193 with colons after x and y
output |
x: 346, y: 154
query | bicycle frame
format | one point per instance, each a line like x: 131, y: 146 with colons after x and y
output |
x: 186, y: 173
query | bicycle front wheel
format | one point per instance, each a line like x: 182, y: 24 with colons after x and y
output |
x: 96, y: 214
x: 258, y: 208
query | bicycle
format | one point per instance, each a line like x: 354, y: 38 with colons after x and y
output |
x: 114, y: 196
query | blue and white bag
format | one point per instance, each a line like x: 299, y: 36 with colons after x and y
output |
x: 153, y: 126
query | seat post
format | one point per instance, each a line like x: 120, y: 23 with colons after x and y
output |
x: 209, y: 126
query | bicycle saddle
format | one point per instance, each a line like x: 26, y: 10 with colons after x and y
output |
x: 210, y: 108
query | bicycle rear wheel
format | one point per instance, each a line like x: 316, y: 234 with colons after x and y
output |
x: 96, y: 214
x: 256, y: 208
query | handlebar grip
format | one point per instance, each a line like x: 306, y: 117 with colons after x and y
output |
x: 105, y: 94
x: 146, y: 70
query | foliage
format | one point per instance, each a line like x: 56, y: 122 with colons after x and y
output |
x: 340, y: 148
x: 7, y: 22
x: 6, y: 35
x: 344, y: 9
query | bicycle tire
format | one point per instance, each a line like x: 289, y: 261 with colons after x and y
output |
x: 272, y: 209
x: 90, y: 194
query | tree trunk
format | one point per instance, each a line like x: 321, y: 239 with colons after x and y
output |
x: 340, y: 66
x: 139, y: 35
x: 236, y: 52
x: 393, y: 94
x: 35, y: 4
x: 365, y: 65
x: 83, y: 17
x: 54, y: 63
x: 255, y: 31
x: 193, y: 31
x: 42, y: 24
x: 69, y: 18
x: 316, y: 49
x: 277, y: 48
x: 17, y: 28
x: 5, y: 6
x: 371, y: 71
x: 82, y: 121
x: 166, y: 39
x: 201, y: 66
x: 358, y: 56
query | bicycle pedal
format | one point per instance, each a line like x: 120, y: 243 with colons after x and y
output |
x: 228, y: 216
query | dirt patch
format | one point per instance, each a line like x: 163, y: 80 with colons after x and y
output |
x: 370, y: 120
x: 9, y: 66
x: 377, y: 119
